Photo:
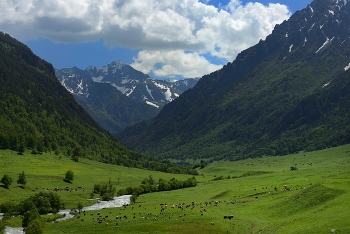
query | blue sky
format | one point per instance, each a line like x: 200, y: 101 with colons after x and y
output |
x: 164, y: 38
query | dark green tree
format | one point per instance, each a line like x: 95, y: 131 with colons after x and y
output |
x: 133, y: 198
x: 69, y: 176
x: 21, y: 148
x: 107, y: 191
x: 151, y: 180
x: 25, y: 206
x: 2, y: 227
x: 6, y: 180
x: 35, y: 227
x: 30, y: 216
x: 97, y: 188
x: 47, y: 202
x: 22, y: 179
x: 80, y: 207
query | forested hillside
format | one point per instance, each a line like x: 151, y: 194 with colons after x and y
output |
x: 261, y: 102
x: 38, y: 113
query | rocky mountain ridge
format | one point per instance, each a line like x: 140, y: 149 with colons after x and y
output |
x: 130, y: 82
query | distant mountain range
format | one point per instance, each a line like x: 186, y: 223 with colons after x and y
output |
x: 38, y: 114
x: 288, y: 93
x: 116, y: 95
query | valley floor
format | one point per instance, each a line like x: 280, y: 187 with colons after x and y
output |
x: 261, y: 195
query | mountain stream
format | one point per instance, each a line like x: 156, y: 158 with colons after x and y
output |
x: 116, y: 202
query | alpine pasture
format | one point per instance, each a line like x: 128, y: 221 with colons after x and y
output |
x: 260, y: 195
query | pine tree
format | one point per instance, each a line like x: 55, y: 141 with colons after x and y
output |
x: 22, y: 179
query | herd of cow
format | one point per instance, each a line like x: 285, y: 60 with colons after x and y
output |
x: 164, y: 212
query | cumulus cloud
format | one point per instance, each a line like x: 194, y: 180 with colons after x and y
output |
x: 174, y: 62
x: 172, y: 35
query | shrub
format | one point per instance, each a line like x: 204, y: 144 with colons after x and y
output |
x: 6, y: 180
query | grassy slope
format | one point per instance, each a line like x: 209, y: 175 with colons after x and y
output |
x: 316, y: 203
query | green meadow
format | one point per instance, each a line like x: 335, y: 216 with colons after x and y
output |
x: 262, y: 195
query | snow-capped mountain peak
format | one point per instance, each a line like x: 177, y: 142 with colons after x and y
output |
x: 130, y: 82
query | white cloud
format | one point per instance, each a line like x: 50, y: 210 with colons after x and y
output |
x: 174, y: 62
x: 161, y: 29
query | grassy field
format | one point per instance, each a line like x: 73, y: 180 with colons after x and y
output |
x: 262, y: 194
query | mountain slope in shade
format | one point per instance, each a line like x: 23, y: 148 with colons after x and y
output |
x: 116, y: 95
x: 236, y: 112
x: 111, y: 109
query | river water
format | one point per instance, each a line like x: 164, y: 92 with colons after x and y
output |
x: 116, y: 202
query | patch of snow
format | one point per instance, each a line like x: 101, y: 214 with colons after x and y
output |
x: 331, y: 12
x: 176, y: 95
x: 152, y: 104
x: 305, y: 41
x: 312, y: 10
x: 104, y: 69
x: 97, y: 79
x: 150, y: 92
x: 126, y: 81
x: 286, y: 34
x: 80, y: 85
x: 161, y: 86
x: 290, y: 48
x: 324, y: 44
x: 117, y: 66
x: 131, y: 91
x: 122, y: 89
x: 342, y: 43
x: 312, y: 27
x: 325, y: 85
x: 69, y: 89
x: 347, y: 67
x: 321, y: 26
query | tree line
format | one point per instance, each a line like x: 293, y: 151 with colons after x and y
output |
x: 149, y: 185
